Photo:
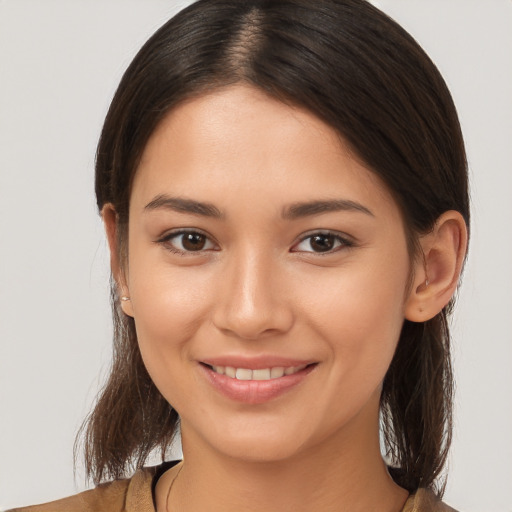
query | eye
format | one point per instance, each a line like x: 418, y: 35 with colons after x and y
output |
x: 187, y: 242
x: 322, y: 243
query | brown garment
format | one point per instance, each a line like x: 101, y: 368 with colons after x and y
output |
x: 136, y: 495
x: 130, y: 495
x: 424, y: 500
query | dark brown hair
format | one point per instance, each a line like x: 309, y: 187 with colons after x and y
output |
x: 361, y: 73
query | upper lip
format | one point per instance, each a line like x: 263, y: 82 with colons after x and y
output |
x: 255, y: 362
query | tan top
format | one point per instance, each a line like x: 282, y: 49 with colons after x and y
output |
x: 136, y: 495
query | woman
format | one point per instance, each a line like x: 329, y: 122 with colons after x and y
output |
x: 284, y: 190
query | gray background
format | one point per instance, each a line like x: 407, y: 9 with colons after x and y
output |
x: 60, y: 61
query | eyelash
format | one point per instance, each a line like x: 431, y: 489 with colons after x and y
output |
x: 166, y: 240
x: 341, y: 241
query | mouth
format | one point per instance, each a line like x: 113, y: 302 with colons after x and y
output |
x: 259, y: 374
x: 255, y: 385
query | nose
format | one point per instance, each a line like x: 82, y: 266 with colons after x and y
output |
x: 253, y: 301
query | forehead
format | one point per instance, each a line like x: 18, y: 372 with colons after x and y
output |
x: 219, y: 144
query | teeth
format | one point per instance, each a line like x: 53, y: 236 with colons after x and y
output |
x: 277, y: 372
x: 243, y: 374
x: 260, y: 374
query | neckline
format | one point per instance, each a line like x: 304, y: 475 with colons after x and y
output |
x: 159, y: 471
x: 166, y: 465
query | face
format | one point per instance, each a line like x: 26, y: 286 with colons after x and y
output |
x: 267, y: 270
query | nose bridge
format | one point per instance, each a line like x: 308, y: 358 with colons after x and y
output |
x: 252, y: 303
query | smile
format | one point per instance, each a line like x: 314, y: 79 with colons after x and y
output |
x: 255, y: 385
x: 259, y: 374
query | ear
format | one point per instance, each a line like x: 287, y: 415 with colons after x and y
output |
x: 110, y: 221
x: 437, y: 275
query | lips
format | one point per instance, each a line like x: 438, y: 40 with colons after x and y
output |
x: 255, y: 381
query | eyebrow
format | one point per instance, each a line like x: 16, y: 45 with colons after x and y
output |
x: 180, y: 204
x: 310, y: 208
x: 291, y: 212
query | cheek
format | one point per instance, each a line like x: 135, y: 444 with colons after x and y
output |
x: 360, y: 319
x: 168, y: 311
x: 169, y: 305
x: 162, y: 301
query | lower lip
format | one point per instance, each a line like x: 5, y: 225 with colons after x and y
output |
x: 254, y: 391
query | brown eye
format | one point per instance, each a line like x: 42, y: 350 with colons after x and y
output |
x: 193, y: 241
x: 187, y: 242
x: 322, y: 243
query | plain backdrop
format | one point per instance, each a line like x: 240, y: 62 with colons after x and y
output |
x: 60, y: 62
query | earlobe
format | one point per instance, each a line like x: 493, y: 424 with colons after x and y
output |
x: 110, y: 221
x: 437, y: 275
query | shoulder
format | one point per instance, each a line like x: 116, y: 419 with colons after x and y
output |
x: 127, y: 495
x: 424, y: 500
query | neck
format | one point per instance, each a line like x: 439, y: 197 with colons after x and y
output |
x: 345, y: 473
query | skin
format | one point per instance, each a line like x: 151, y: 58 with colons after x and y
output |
x: 258, y: 286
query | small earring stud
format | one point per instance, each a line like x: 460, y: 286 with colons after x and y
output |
x: 125, y: 298
x: 427, y: 282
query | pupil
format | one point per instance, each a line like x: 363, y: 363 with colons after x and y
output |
x: 193, y: 241
x: 322, y: 243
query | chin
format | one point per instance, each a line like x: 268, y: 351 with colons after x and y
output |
x: 260, y: 442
